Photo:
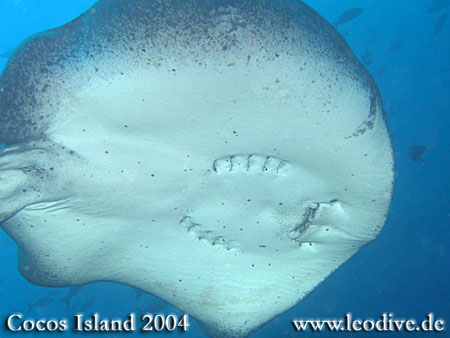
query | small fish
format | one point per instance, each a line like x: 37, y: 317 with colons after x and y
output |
x: 349, y: 15
x: 366, y: 58
x: 416, y: 152
x: 438, y: 5
x: 88, y: 303
x: 44, y: 301
x: 440, y: 23
x: 73, y: 291
x: 395, y: 47
x: 382, y: 70
x: 409, y: 232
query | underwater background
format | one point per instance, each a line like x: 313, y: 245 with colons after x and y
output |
x: 405, y: 44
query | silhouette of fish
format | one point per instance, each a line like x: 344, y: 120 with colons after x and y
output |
x: 382, y: 70
x: 416, y: 152
x: 41, y: 302
x: 367, y: 57
x: 438, y: 5
x: 349, y: 15
x: 395, y: 47
x: 88, y: 303
x: 73, y: 291
x: 409, y: 232
x: 440, y: 23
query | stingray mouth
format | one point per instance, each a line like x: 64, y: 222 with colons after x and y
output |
x: 290, y: 232
x: 202, y: 233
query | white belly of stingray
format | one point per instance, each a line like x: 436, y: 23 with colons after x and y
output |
x: 229, y: 187
x: 230, y: 219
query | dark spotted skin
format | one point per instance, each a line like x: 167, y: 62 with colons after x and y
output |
x: 36, y: 76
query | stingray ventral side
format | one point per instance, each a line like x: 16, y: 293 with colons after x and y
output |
x: 225, y: 156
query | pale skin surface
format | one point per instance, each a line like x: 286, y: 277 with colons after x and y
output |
x: 228, y: 187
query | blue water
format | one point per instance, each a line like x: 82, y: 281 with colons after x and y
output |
x: 406, y: 270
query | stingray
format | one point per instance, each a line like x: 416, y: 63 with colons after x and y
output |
x: 225, y: 156
x: 440, y: 23
x: 438, y: 5
x: 416, y: 152
x: 348, y: 15
x: 367, y: 57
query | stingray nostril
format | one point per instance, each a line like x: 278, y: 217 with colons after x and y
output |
x: 307, y: 219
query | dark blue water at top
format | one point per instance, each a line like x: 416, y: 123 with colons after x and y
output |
x: 406, y: 270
